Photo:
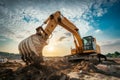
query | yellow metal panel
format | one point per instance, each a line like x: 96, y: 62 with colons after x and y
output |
x: 89, y: 51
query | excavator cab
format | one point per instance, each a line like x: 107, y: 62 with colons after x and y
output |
x: 89, y: 43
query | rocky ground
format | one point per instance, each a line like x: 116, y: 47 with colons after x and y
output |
x: 59, y: 69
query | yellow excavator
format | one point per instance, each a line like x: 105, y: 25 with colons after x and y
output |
x: 84, y: 47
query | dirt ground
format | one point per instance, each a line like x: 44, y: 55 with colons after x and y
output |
x: 60, y: 69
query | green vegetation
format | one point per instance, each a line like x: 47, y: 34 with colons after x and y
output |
x: 9, y: 55
x: 116, y: 54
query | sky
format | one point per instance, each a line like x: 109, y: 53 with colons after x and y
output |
x: 99, y: 18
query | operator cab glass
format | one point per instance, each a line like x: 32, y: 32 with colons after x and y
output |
x: 89, y: 43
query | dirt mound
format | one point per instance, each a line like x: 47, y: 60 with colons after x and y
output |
x: 39, y: 72
x: 7, y: 70
x: 55, y: 70
x: 10, y: 64
x: 44, y: 71
x: 85, y: 66
x: 49, y: 70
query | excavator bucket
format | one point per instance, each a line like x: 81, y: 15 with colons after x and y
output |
x: 31, y: 49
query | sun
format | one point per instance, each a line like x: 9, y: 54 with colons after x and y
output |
x: 50, y: 48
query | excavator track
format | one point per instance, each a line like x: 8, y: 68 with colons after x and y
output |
x: 86, y: 57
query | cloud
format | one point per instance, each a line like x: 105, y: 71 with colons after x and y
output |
x: 110, y: 46
x: 83, y: 26
x: 99, y: 12
x: 98, y: 31
x: 19, y: 18
x: 2, y: 39
x: 100, y: 7
x: 67, y: 34
x: 61, y: 38
x: 111, y: 42
x: 29, y: 19
x: 2, y: 4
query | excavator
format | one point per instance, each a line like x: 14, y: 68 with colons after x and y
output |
x: 84, y: 47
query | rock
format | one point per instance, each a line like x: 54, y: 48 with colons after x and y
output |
x: 102, y: 67
x: 114, y: 68
x: 74, y: 75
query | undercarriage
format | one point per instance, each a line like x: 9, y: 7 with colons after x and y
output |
x: 86, y: 57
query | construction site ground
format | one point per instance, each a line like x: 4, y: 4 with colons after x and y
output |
x: 60, y: 69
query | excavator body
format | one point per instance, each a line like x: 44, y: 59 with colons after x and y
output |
x: 34, y: 45
x: 90, y: 50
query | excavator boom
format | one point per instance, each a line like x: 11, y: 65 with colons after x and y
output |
x: 58, y: 19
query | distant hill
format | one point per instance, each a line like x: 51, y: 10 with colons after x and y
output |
x: 9, y: 55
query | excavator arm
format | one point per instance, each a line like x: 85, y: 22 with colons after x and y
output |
x: 58, y: 19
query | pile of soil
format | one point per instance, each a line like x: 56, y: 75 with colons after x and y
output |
x: 49, y: 70
x: 46, y: 71
x: 85, y: 66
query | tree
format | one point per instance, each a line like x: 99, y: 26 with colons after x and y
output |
x: 109, y: 55
x: 115, y: 54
